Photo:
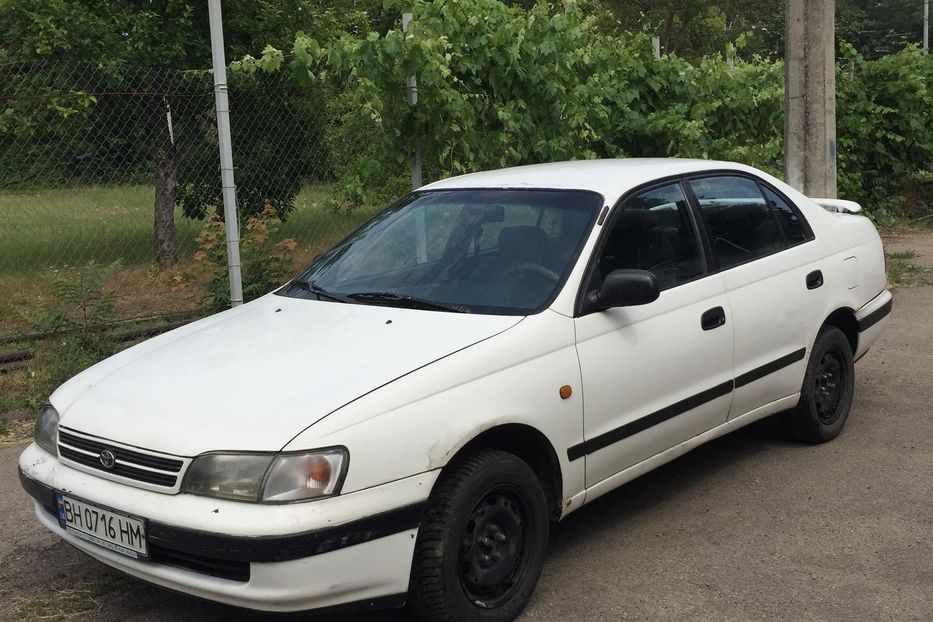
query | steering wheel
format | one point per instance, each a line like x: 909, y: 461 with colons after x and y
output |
x: 533, y: 269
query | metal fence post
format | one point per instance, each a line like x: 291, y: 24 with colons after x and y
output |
x: 411, y: 90
x: 926, y: 26
x: 228, y: 186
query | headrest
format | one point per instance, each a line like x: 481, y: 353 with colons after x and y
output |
x: 637, y: 219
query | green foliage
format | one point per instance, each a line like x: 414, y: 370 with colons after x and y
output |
x: 81, y: 310
x: 697, y: 28
x: 365, y: 180
x: 879, y: 28
x: 273, y: 114
x: 884, y: 126
x: 101, y: 116
x: 81, y: 302
x: 902, y: 272
x: 265, y: 261
x: 502, y: 86
x: 166, y: 33
x: 60, y: 359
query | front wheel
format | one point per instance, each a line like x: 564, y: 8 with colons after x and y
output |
x: 482, y: 542
x: 826, y: 396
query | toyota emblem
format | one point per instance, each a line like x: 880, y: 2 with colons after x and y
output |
x: 107, y: 459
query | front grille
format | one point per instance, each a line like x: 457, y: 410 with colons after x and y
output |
x: 221, y: 568
x: 130, y: 464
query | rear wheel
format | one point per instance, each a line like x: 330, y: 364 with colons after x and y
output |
x: 826, y: 396
x: 482, y: 542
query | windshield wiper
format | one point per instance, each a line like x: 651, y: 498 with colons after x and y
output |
x: 318, y: 291
x: 391, y: 298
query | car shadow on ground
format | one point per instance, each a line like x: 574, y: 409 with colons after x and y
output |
x: 664, y: 484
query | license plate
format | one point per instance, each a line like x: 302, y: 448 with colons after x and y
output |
x: 116, y: 531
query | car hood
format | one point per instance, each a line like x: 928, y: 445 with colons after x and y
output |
x: 253, y: 377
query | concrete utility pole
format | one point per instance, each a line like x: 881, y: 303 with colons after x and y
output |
x: 226, y: 152
x: 810, y: 97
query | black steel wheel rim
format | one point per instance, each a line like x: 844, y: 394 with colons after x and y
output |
x: 829, y: 385
x: 492, y: 547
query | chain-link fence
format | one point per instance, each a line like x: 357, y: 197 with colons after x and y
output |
x: 104, y: 163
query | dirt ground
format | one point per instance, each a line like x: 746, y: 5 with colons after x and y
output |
x: 747, y: 527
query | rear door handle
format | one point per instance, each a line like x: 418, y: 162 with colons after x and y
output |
x: 714, y: 318
x: 814, y: 279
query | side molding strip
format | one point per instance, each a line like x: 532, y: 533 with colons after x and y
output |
x: 875, y: 316
x: 770, y: 368
x: 668, y: 412
x: 640, y: 425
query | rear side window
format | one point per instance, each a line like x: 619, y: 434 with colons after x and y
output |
x: 654, y: 232
x: 742, y: 226
x: 794, y: 230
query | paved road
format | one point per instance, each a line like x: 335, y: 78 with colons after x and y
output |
x: 747, y: 527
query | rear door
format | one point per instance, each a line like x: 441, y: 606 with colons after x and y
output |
x: 657, y: 374
x: 760, y: 245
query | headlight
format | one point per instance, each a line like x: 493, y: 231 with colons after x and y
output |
x: 46, y: 431
x: 228, y: 476
x: 272, y: 478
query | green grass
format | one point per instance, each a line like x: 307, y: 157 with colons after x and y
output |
x: 70, y: 226
x: 51, y: 232
x: 902, y: 272
x: 66, y: 227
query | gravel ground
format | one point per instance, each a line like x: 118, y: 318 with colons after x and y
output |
x: 747, y: 527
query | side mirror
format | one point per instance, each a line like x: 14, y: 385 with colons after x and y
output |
x: 623, y: 288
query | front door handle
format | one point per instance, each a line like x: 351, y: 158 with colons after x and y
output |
x: 814, y: 279
x: 714, y: 318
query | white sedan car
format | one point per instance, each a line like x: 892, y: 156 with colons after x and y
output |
x: 405, y: 419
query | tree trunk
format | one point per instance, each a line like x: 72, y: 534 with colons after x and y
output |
x: 166, y: 181
x: 668, y: 42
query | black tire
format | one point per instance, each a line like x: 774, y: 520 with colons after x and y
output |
x: 826, y: 395
x: 482, y: 542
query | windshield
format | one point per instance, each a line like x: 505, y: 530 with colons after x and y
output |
x: 480, y: 251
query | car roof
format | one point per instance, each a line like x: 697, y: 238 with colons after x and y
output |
x: 610, y: 178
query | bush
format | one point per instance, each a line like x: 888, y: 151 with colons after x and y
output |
x: 265, y: 262
x: 81, y: 302
x: 81, y: 311
x: 502, y: 86
x: 884, y: 126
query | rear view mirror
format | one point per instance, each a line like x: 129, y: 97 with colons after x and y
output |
x: 493, y: 213
x: 623, y: 288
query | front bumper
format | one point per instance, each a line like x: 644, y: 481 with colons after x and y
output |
x: 336, y: 557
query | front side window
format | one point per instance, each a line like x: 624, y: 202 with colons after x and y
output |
x: 654, y: 232
x: 482, y: 251
x: 741, y: 225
